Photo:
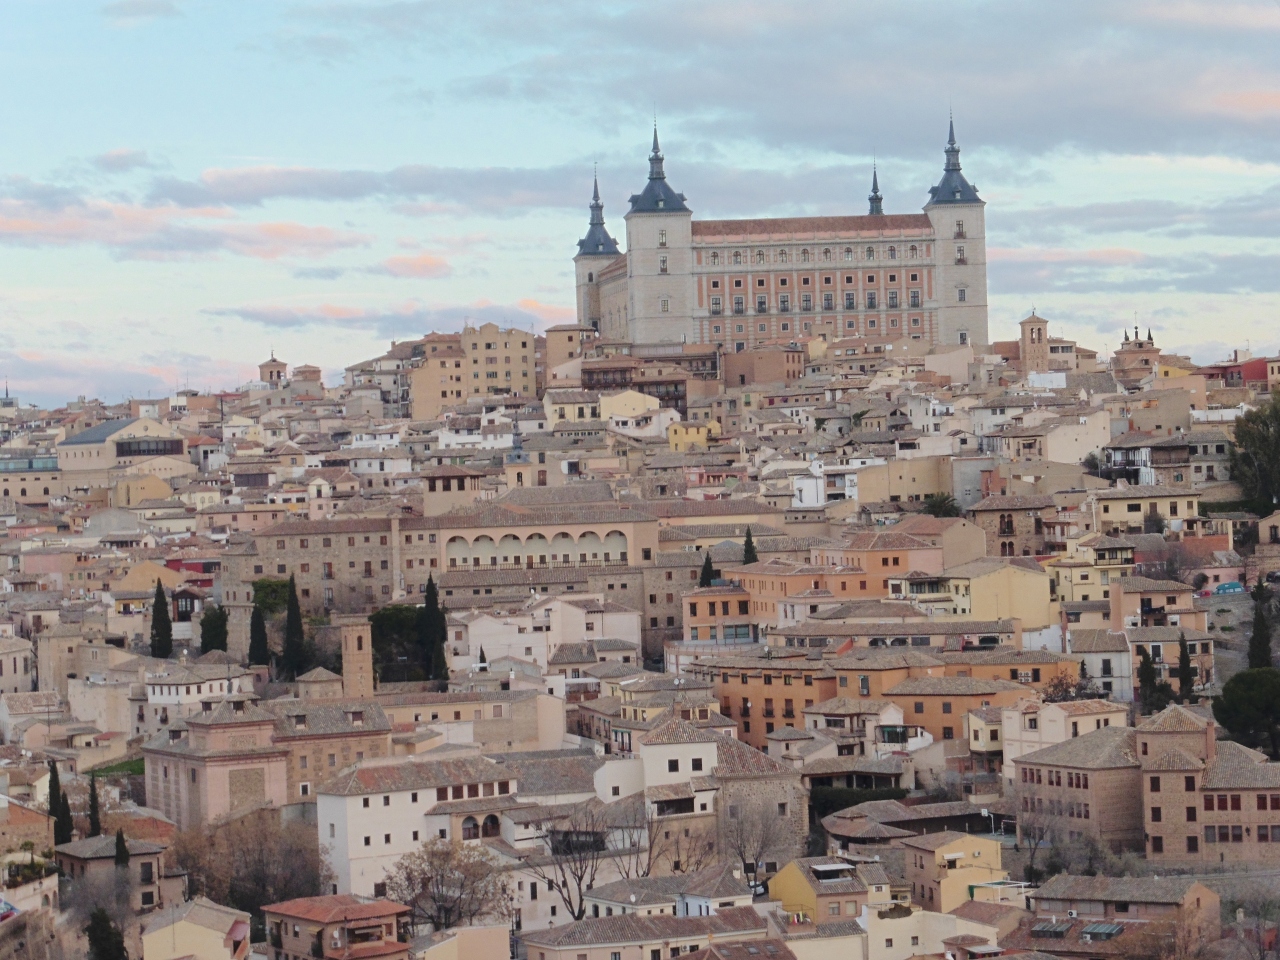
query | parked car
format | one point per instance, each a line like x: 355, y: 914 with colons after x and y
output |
x: 1233, y: 587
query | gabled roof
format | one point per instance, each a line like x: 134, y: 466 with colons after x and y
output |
x: 100, y: 433
x: 1125, y: 889
x: 1104, y: 749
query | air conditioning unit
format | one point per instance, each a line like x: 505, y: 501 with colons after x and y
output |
x: 1086, y: 938
x: 1175, y: 619
x: 1072, y: 914
x: 1024, y: 676
x: 1131, y: 621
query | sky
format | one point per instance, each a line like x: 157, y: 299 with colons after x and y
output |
x: 187, y: 186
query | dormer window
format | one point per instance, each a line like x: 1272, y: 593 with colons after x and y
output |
x: 357, y: 717
x: 206, y: 707
x: 238, y: 706
x: 300, y: 722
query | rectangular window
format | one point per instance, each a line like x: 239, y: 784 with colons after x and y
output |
x: 662, y: 264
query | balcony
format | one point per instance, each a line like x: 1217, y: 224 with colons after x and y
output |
x: 961, y: 261
x: 960, y: 235
x: 739, y: 311
x: 745, y: 712
x: 788, y: 714
x: 762, y: 308
x: 716, y: 311
x: 768, y: 713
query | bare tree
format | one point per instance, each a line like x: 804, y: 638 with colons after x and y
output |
x: 755, y: 832
x: 254, y: 860
x: 576, y: 840
x: 448, y: 884
x: 1255, y: 906
x: 1182, y: 939
x: 644, y: 844
x: 111, y: 890
x: 1037, y: 830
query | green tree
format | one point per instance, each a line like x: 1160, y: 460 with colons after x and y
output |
x: 1255, y: 458
x: 55, y: 789
x: 941, y: 505
x: 271, y: 595
x: 1091, y: 464
x: 435, y: 631
x: 1154, y: 523
x: 748, y: 549
x: 1186, y: 693
x: 106, y: 941
x: 63, y: 825
x: 122, y: 849
x: 95, y: 814
x: 708, y: 574
x: 398, y: 648
x: 259, y: 649
x: 161, y: 625
x: 293, y: 658
x: 1260, y: 639
x: 213, y: 629
x: 1154, y: 694
x: 1249, y: 709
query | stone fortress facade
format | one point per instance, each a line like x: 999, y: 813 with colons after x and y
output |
x: 742, y: 282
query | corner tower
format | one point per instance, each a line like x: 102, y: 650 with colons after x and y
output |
x: 596, y: 250
x: 659, y: 259
x: 357, y: 661
x: 959, y: 224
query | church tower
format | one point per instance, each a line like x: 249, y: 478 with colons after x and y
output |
x: 659, y: 260
x: 597, y: 249
x: 959, y: 226
x: 1033, y: 351
x: 357, y: 661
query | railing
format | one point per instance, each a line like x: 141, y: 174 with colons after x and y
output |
x: 960, y: 235
x: 768, y: 712
x: 716, y: 311
x: 788, y: 714
x: 961, y: 261
x: 744, y: 712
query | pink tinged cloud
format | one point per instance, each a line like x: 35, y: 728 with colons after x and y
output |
x: 549, y: 313
x: 1103, y: 257
x: 424, y: 266
x: 165, y: 232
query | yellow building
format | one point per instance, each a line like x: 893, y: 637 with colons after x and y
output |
x: 683, y: 437
x: 627, y: 404
x: 571, y: 405
x: 200, y: 929
x: 1119, y: 510
x: 994, y: 588
x: 941, y: 867
x: 829, y: 889
x: 1085, y: 571
x: 498, y: 361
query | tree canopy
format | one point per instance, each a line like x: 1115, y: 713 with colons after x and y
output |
x: 213, y: 629
x: 106, y: 941
x: 295, y: 656
x: 449, y: 884
x: 398, y: 649
x: 95, y: 812
x: 748, y: 549
x: 161, y: 625
x: 1249, y: 709
x: 1260, y: 638
x: 259, y: 648
x: 707, y: 574
x: 1255, y: 458
x: 942, y: 505
x: 433, y: 631
x: 271, y: 595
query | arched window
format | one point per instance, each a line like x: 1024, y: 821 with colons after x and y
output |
x: 470, y: 829
x: 911, y: 250
x: 804, y: 256
x: 893, y: 253
x: 826, y: 253
x: 490, y: 827
x: 782, y: 256
x: 759, y: 256
x: 737, y: 256
x: 871, y: 253
x: 848, y: 253
x: 715, y: 258
x: 591, y: 278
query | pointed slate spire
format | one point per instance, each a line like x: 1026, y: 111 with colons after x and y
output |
x: 1126, y: 334
x: 1149, y: 340
x: 952, y: 151
x: 876, y: 201
x: 597, y: 205
x: 655, y: 159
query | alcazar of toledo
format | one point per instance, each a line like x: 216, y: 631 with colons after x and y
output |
x: 741, y: 282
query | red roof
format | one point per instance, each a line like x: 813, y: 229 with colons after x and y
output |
x: 335, y: 908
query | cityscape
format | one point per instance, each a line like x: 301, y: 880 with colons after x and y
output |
x: 681, y: 555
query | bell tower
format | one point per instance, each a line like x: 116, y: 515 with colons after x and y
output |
x: 357, y: 661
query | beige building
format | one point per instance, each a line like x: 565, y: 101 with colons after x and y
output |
x: 1030, y: 725
x: 943, y: 867
x: 99, y: 456
x: 438, y: 381
x: 744, y: 282
x: 198, y: 929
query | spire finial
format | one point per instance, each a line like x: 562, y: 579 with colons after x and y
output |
x: 655, y: 158
x: 876, y: 208
x: 952, y: 151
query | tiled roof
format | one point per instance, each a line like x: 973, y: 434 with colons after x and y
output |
x: 955, y: 686
x: 335, y: 908
x: 1174, y: 718
x: 1096, y: 641
x: 1238, y: 767
x: 635, y: 928
x: 414, y: 774
x: 546, y: 773
x: 104, y: 846
x: 672, y: 729
x: 1125, y: 889
x: 1143, y: 585
x: 1104, y: 749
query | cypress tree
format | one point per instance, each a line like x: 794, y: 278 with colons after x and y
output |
x: 1146, y: 679
x: 1260, y: 639
x: 435, y: 632
x: 95, y: 814
x: 708, y: 574
x: 161, y: 625
x: 213, y: 629
x: 294, y: 655
x: 1185, y: 693
x: 483, y: 658
x: 122, y: 849
x: 106, y: 941
x: 55, y: 789
x: 63, y: 825
x: 259, y: 651
x: 749, y: 549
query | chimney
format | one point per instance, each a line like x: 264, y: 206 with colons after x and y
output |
x: 1210, y: 741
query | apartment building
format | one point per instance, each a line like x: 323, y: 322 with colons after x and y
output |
x: 338, y: 925
x: 943, y: 867
x: 1030, y: 725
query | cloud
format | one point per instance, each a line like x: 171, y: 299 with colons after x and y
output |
x: 394, y: 319
x: 1121, y: 271
x: 424, y: 266
x: 128, y: 11
x: 41, y: 215
x: 121, y: 161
